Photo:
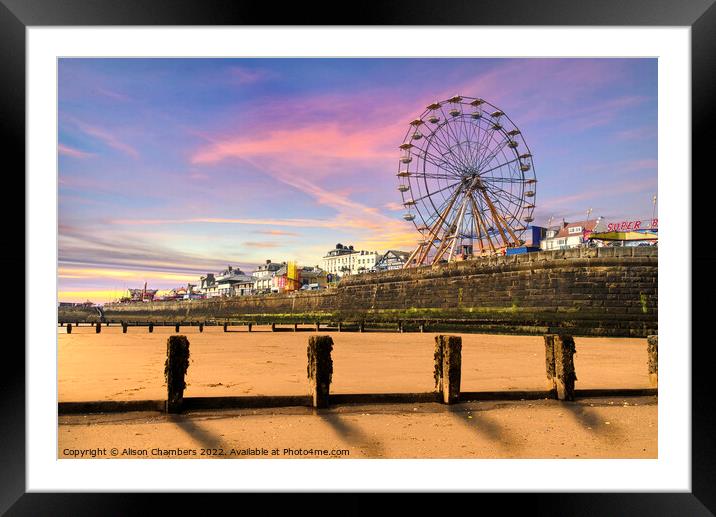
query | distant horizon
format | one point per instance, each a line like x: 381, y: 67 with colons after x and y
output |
x: 173, y: 168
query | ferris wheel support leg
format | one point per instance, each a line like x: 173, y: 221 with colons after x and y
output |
x: 495, y: 216
x: 475, y: 213
x: 412, y: 256
x: 433, y: 233
x: 512, y: 234
x: 458, y: 228
x: 447, y: 241
x: 489, y: 241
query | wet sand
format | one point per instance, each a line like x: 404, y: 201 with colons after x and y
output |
x: 117, y: 366
x: 589, y: 428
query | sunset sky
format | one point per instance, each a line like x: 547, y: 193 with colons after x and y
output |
x: 172, y: 168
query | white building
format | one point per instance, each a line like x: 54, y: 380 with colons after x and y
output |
x: 568, y: 235
x: 224, y: 283
x: 344, y: 260
x: 263, y: 276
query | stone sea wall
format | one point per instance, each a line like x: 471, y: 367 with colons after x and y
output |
x: 590, y: 291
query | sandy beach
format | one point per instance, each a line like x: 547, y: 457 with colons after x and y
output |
x: 589, y: 428
x: 117, y: 366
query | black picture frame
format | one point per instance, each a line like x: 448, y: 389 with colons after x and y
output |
x: 700, y: 15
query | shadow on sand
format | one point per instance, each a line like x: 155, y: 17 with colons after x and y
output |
x: 592, y: 421
x: 188, y: 425
x: 485, y: 426
x: 352, y: 433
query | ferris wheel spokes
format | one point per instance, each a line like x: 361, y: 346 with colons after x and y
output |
x: 465, y: 185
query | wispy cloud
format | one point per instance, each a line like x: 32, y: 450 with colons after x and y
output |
x: 277, y: 232
x: 637, y: 133
x: 71, y: 151
x: 246, y: 75
x: 112, y: 94
x: 107, y: 138
x: 263, y: 244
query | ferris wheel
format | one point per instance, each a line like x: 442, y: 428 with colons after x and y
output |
x: 467, y: 181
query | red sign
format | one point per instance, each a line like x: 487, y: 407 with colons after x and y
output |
x: 630, y: 226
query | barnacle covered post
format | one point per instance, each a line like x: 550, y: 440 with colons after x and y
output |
x: 320, y: 369
x: 549, y: 361
x: 559, y: 351
x: 175, y: 368
x: 448, y: 365
x: 652, y: 346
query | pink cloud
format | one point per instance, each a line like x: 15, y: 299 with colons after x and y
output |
x: 70, y: 151
x: 318, y: 141
x: 277, y: 232
x: 107, y: 138
x: 262, y: 244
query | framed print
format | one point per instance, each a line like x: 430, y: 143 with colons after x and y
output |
x: 430, y: 246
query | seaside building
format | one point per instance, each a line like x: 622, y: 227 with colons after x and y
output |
x: 244, y: 287
x: 599, y: 232
x: 345, y: 260
x: 290, y: 277
x: 207, y: 285
x: 228, y: 279
x: 312, y: 276
x: 263, y: 276
x: 569, y: 235
x: 636, y: 232
x: 392, y: 259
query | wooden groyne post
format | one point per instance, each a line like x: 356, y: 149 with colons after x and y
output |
x: 98, y: 328
x: 448, y: 365
x: 652, y: 347
x: 151, y: 328
x: 124, y: 328
x: 175, y: 368
x: 320, y: 368
x: 201, y: 327
x: 559, y: 357
x: 176, y: 328
x: 69, y: 328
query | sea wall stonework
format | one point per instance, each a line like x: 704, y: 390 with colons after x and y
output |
x: 586, y: 291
